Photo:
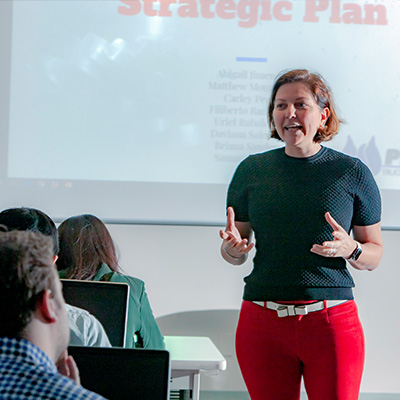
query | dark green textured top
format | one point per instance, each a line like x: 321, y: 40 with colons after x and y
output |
x: 285, y: 199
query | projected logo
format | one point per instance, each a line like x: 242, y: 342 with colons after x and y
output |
x: 368, y: 153
x: 392, y: 162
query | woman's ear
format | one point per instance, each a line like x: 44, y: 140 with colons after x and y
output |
x: 324, y: 116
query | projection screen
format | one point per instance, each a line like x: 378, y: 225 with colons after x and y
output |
x: 140, y: 110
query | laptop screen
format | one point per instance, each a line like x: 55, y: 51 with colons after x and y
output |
x: 107, y: 301
x: 123, y: 374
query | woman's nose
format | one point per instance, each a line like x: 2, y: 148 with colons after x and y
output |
x: 290, y: 111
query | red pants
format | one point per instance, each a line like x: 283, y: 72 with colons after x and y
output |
x: 325, y: 347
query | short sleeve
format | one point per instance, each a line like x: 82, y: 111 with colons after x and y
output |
x: 237, y: 197
x: 367, y: 201
x: 97, y: 336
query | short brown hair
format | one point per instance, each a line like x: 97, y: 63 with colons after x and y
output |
x: 26, y: 270
x: 322, y: 95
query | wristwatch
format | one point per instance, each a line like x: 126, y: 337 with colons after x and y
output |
x: 355, y: 255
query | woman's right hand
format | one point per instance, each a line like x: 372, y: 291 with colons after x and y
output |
x: 236, y: 239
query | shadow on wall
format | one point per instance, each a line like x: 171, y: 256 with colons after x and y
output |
x: 220, y: 327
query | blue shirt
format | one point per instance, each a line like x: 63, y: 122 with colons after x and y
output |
x: 27, y: 373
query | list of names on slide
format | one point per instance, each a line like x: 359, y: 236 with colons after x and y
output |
x: 238, y: 115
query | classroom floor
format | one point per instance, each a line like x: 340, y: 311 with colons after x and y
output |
x: 208, y: 395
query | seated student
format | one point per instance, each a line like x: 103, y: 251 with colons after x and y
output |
x: 87, y: 252
x: 34, y: 331
x: 86, y: 330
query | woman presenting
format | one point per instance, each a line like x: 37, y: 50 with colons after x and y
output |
x: 298, y: 317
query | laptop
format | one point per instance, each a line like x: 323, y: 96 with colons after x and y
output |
x: 123, y: 374
x: 107, y: 301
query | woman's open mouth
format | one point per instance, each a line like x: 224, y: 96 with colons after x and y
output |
x: 293, y: 127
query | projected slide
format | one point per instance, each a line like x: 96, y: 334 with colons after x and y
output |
x: 176, y: 91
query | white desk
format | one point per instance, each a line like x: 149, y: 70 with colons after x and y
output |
x: 191, y: 354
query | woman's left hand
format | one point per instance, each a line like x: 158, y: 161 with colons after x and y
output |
x: 342, y: 244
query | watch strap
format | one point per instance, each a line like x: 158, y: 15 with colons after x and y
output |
x: 355, y: 255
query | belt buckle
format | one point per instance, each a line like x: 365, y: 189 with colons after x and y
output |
x: 291, y: 310
x: 282, y: 311
x: 301, y: 310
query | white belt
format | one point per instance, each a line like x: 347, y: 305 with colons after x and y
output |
x: 285, y: 310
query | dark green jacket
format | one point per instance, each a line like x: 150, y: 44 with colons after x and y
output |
x: 141, y: 326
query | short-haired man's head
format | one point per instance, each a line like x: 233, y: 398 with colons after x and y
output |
x: 30, y: 219
x: 321, y: 93
x: 27, y: 270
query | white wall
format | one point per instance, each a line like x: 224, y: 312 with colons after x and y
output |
x: 183, y: 270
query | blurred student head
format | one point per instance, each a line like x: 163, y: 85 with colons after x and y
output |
x: 85, y: 244
x: 31, y: 302
x: 30, y: 219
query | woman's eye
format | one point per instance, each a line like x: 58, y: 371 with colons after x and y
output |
x: 301, y: 105
x: 279, y: 106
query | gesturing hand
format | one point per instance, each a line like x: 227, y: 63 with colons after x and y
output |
x: 234, y: 245
x: 342, y: 244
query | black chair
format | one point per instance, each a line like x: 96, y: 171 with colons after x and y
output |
x: 123, y: 374
x: 107, y: 301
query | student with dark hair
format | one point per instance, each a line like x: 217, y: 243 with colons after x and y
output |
x: 34, y: 332
x: 302, y: 201
x: 30, y: 219
x: 87, y: 251
x: 85, y: 329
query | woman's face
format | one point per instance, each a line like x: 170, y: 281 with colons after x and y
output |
x: 297, y: 118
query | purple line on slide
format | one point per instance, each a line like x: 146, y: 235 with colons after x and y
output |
x: 251, y: 59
